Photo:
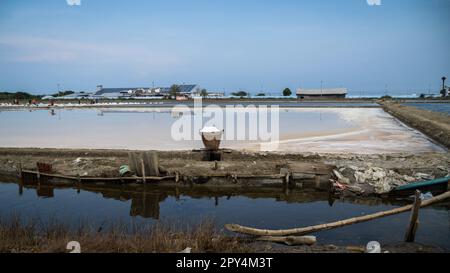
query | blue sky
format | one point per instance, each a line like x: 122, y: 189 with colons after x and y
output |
x: 226, y: 45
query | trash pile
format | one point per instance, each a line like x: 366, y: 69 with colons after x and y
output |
x: 356, y: 179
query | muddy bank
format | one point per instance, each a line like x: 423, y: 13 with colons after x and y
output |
x: 358, y: 174
x: 433, y: 124
x: 165, y: 237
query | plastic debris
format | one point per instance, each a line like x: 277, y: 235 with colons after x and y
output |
x: 124, y: 170
x: 426, y: 196
x: 373, y: 247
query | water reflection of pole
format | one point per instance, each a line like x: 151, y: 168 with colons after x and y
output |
x: 216, y: 201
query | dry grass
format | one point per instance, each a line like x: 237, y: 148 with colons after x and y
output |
x: 52, y: 236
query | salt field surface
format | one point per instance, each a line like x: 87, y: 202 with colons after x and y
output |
x: 330, y: 130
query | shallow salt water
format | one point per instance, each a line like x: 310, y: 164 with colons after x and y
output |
x: 333, y: 130
x: 262, y: 208
x: 435, y: 107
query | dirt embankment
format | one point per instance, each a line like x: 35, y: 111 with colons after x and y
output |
x: 433, y: 124
x: 360, y: 174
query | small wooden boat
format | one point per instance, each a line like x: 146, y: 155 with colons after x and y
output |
x: 211, y: 137
x: 442, y: 183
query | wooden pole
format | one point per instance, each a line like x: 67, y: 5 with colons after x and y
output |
x: 99, y: 179
x: 413, y: 222
x: 143, y: 171
x: 19, y: 169
x: 351, y: 221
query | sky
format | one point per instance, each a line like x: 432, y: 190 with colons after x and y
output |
x: 367, y: 46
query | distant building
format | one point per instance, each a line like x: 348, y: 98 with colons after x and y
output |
x: 133, y: 92
x: 321, y: 93
x: 76, y: 96
x: 48, y: 98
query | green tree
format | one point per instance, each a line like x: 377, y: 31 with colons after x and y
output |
x: 203, y: 93
x: 174, y: 90
x: 261, y: 95
x: 65, y: 93
x: 240, y: 94
x: 287, y: 92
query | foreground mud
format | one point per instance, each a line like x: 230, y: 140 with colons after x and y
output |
x: 359, y: 174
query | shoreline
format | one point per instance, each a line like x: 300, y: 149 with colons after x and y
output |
x: 362, y: 175
x: 162, y: 103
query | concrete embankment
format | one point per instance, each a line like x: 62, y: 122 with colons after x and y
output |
x: 434, y: 125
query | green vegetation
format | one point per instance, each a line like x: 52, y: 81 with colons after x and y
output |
x: 35, y: 237
x: 18, y: 96
x: 287, y: 92
x: 261, y: 95
x: 240, y: 94
x: 63, y: 93
x: 204, y: 93
x: 175, y: 90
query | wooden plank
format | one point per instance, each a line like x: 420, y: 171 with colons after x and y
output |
x: 310, y: 168
x: 151, y: 161
x: 133, y: 163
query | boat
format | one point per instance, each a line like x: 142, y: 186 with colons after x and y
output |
x: 211, y: 137
x: 442, y: 183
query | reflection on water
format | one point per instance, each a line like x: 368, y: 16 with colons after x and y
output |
x: 436, y: 107
x: 258, y: 207
x: 335, y: 130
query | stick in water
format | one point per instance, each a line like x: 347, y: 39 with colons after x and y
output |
x: 351, y: 221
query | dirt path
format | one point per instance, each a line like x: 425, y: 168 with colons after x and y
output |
x: 433, y: 124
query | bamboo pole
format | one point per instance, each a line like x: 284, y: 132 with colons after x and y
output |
x: 316, y: 228
x: 290, y: 240
x: 131, y: 178
x: 413, y: 222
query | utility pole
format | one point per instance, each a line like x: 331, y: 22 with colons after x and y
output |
x: 321, y: 88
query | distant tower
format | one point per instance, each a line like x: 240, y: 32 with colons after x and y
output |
x: 443, y: 91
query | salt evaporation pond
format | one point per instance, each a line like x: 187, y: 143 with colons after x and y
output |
x: 333, y: 130
x: 435, y: 107
x: 101, y: 206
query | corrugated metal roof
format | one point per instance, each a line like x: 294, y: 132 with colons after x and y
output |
x: 117, y: 90
x: 324, y: 91
x: 183, y: 89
